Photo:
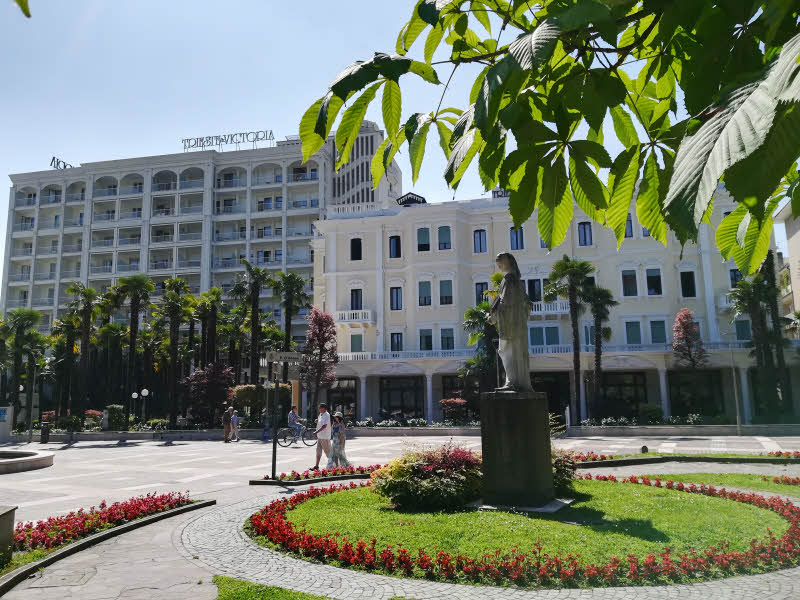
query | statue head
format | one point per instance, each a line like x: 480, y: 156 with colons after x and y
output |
x: 508, y: 264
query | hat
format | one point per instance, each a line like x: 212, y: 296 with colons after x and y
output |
x: 339, y: 414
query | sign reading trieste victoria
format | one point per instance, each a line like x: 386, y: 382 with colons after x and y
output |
x: 263, y: 135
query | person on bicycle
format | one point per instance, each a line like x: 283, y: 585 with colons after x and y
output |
x: 294, y: 421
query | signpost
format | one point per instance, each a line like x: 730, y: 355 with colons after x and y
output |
x: 278, y: 357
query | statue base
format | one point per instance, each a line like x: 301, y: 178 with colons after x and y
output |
x: 515, y: 440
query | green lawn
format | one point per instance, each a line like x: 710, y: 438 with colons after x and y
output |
x: 706, y: 454
x: 731, y: 480
x: 235, y: 589
x: 19, y: 559
x: 607, y: 520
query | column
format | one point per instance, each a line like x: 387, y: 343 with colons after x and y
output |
x: 7, y: 260
x: 303, y: 402
x: 429, y: 398
x: 362, y: 399
x: 744, y: 389
x: 666, y: 409
x: 207, y: 236
x: 379, y: 290
x: 708, y: 283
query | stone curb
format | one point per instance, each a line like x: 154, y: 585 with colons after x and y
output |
x: 298, y: 482
x: 16, y: 576
x: 651, y: 460
x: 17, y: 461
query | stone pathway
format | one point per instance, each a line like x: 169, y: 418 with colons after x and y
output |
x: 176, y: 559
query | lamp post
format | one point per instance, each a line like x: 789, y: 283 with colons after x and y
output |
x: 735, y: 383
x: 145, y: 393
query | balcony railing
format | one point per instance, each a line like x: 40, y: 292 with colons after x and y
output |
x: 405, y: 355
x: 126, y: 268
x: 268, y: 262
x: 23, y: 226
x: 51, y: 199
x: 190, y: 184
x: 229, y: 210
x: 300, y: 232
x: 43, y: 301
x: 69, y: 274
x: 20, y: 202
x: 103, y: 192
x: 260, y: 234
x: 232, y: 183
x: 94, y: 269
x: 51, y: 249
x: 354, y: 316
x: 43, y: 329
x: 76, y: 197
x: 163, y: 237
x: 160, y: 265
x: 162, y: 212
x: 190, y: 236
x: 21, y: 251
x: 102, y: 243
x: 76, y: 222
x: 267, y: 179
x: 24, y: 276
x: 299, y: 260
x: 232, y: 235
x: 17, y: 303
x: 132, y: 189
x: 189, y: 263
x: 227, y: 263
x: 107, y: 216
x: 192, y: 209
x: 303, y: 177
x: 73, y: 247
x: 46, y: 276
x: 49, y: 224
x: 164, y: 186
x: 311, y: 203
x: 131, y: 214
x: 130, y: 241
x: 262, y: 207
x: 559, y: 307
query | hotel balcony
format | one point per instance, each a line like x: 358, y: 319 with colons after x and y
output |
x: 132, y: 190
x: 106, y: 216
x: 21, y: 252
x: 23, y: 226
x: 235, y: 182
x: 355, y: 317
x: 51, y: 199
x: 128, y: 268
x: 74, y: 222
x: 130, y: 214
x: 267, y: 179
x: 16, y: 303
x: 23, y: 276
x: 164, y: 186
x: 407, y: 355
x: 193, y: 209
x: 73, y: 247
x: 160, y: 265
x: 23, y: 202
x: 162, y: 238
x: 133, y: 240
x: 191, y: 184
x: 227, y: 263
x: 70, y: 274
x: 229, y: 210
x: 559, y: 307
x: 190, y: 236
x: 76, y: 197
x: 189, y: 263
x: 44, y: 276
x: 226, y: 236
x: 43, y: 301
x: 295, y: 177
x: 105, y: 192
x: 97, y: 269
x: 163, y: 212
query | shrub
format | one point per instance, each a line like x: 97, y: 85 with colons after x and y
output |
x: 417, y: 422
x: 70, y: 423
x: 563, y: 471
x: 116, y: 417
x: 453, y: 409
x: 49, y: 415
x: 435, y: 479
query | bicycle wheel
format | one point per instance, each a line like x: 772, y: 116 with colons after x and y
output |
x: 308, y: 437
x: 285, y: 437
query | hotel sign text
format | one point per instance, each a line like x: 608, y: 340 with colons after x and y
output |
x: 264, y: 135
x: 57, y: 163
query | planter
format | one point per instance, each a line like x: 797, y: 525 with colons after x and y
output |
x: 16, y: 461
x: 683, y: 430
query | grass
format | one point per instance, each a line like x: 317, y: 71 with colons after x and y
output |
x: 732, y: 480
x: 20, y: 559
x: 606, y: 520
x: 236, y: 589
x: 706, y: 454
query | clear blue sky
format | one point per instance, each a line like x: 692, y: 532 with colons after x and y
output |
x: 90, y: 80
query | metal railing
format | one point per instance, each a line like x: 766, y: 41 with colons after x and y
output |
x: 190, y: 236
x: 190, y: 184
x: 267, y: 179
x: 51, y: 249
x: 44, y: 276
x: 163, y: 237
x: 229, y: 210
x: 192, y: 209
x: 188, y: 263
x: 131, y: 214
x: 70, y: 273
x: 104, y: 192
x: 299, y: 260
x: 24, y: 276
x: 269, y: 261
x: 158, y: 265
x: 21, y: 251
x: 51, y: 224
x: 73, y: 247
x: 303, y: 177
x: 51, y: 199
x: 100, y: 269
x: 76, y: 222
x: 130, y: 241
x: 19, y: 202
x: 232, y: 235
x: 102, y: 243
x: 43, y: 301
x: 227, y: 263
x: 23, y: 226
x: 43, y: 329
x: 162, y: 212
x: 310, y: 203
x: 76, y: 197
x: 164, y: 186
x: 260, y: 234
x: 17, y: 303
x: 232, y: 183
x: 299, y: 233
x: 125, y: 268
x: 132, y: 189
x: 108, y: 216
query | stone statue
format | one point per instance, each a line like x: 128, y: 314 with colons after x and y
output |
x: 509, y: 312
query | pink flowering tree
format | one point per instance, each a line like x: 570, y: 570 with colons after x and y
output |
x: 687, y: 345
x: 320, y: 354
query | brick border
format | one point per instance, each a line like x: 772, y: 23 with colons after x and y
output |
x: 9, y: 580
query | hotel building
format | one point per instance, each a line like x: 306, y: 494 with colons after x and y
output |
x: 398, y: 278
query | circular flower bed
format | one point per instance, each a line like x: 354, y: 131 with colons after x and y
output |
x: 318, y: 473
x: 782, y: 480
x: 538, y: 566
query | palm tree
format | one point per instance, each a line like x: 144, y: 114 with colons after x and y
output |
x: 600, y: 301
x: 33, y: 345
x: 794, y: 324
x: 206, y: 311
x: 248, y: 289
x: 19, y: 321
x: 66, y: 330
x: 110, y: 338
x: 771, y: 292
x: 176, y: 309
x: 201, y: 313
x: 568, y: 279
x: 85, y: 307
x: 136, y: 288
x: 151, y: 341
x: 291, y: 288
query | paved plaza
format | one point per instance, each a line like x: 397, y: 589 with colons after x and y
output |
x: 178, y: 557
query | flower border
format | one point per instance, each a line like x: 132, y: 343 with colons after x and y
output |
x: 782, y: 480
x: 537, y: 567
x: 310, y: 475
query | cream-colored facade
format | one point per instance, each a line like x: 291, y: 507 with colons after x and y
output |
x: 398, y: 281
x: 790, y: 301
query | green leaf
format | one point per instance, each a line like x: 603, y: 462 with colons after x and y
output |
x: 529, y: 50
x: 350, y: 125
x: 444, y: 138
x: 463, y: 152
x: 592, y: 150
x: 354, y: 78
x: 514, y: 167
x: 428, y: 10
x: 731, y: 130
x: 784, y: 77
x: 432, y: 42
x: 392, y: 107
x: 410, y: 33
x: 522, y: 200
x: 648, y: 202
x: 491, y: 158
x: 752, y: 253
x: 384, y: 155
x: 581, y: 14
x: 580, y: 178
x: 331, y: 104
x: 416, y: 150
x: 23, y: 6
x: 309, y: 138
x: 623, y: 127
x: 794, y: 195
x: 727, y: 230
x: 622, y: 184
x: 425, y: 71
x: 555, y: 203
x: 480, y: 12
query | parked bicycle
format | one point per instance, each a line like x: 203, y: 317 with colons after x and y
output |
x: 288, y: 436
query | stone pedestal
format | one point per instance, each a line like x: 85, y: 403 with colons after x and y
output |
x: 515, y: 436
x: 6, y: 533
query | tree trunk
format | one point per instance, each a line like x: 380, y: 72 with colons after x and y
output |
x: 203, y: 342
x: 255, y: 334
x: 174, y: 335
x: 86, y: 333
x: 576, y: 350
x: 211, y: 342
x: 190, y: 346
x: 287, y: 336
x: 16, y: 379
x: 777, y: 332
x: 598, y: 359
x: 132, y: 335
x: 30, y: 383
x: 64, y: 400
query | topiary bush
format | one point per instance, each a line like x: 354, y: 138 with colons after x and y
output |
x: 116, y: 417
x: 434, y: 479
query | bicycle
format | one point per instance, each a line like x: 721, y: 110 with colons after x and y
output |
x: 288, y: 436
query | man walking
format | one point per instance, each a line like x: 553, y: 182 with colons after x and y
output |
x: 227, y: 419
x: 323, y: 434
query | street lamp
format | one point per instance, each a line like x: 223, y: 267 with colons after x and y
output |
x: 145, y: 393
x: 732, y: 333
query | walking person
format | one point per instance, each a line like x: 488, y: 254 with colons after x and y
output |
x: 227, y: 420
x: 338, y: 458
x: 323, y: 433
x: 235, y: 426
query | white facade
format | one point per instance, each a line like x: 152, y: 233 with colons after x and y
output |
x: 193, y: 215
x: 399, y: 280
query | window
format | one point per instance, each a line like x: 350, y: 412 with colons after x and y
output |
x: 688, y: 288
x: 658, y: 332
x: 542, y: 244
x: 479, y: 240
x: 445, y: 292
x: 424, y: 293
x: 396, y: 298
x: 633, y: 332
x: 356, y: 299
x: 396, y: 341
x: 355, y: 249
x: 629, y: 227
x: 517, y: 238
x: 394, y: 246
x: 654, y: 282
x: 743, y: 333
x: 423, y: 239
x: 543, y: 336
x: 425, y: 339
x: 448, y: 339
x: 480, y: 288
x: 736, y: 277
x: 356, y: 343
x: 588, y: 334
x: 584, y: 233
x: 278, y: 202
x: 629, y: 283
x: 535, y: 290
x: 444, y: 238
x: 645, y: 232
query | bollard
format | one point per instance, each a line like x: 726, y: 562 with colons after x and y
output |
x: 6, y: 533
x: 45, y: 436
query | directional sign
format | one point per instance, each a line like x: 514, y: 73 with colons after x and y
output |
x: 283, y: 357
